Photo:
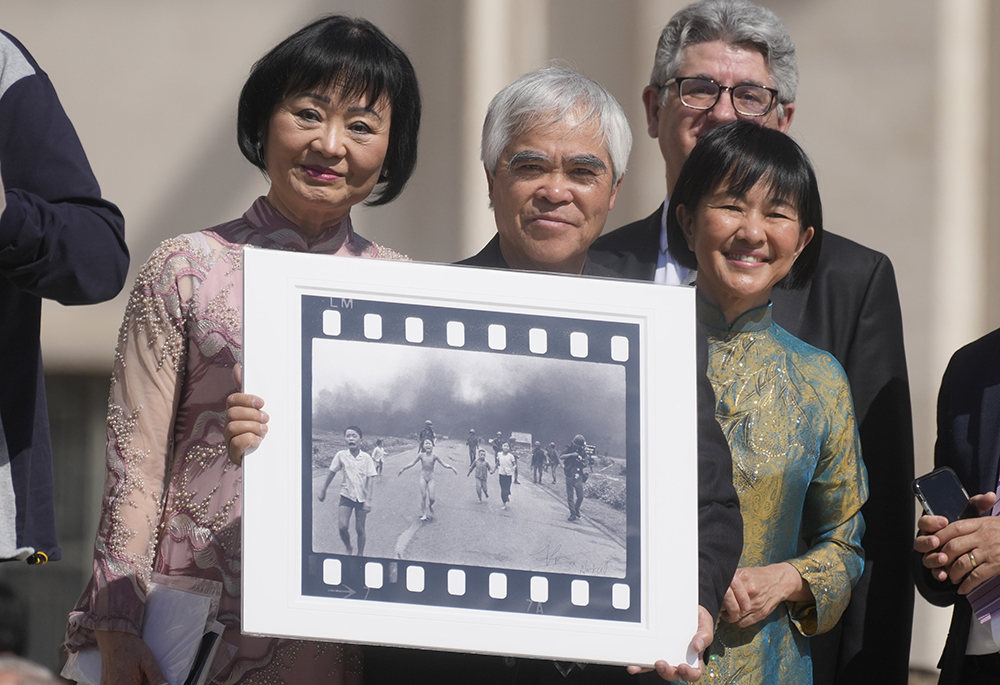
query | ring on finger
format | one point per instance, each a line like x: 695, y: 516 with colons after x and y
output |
x: 972, y: 558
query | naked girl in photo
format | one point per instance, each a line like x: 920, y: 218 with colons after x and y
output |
x: 427, y: 459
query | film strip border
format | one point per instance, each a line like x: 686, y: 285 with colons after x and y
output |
x: 456, y: 585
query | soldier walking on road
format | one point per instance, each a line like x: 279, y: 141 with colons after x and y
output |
x: 538, y: 460
x: 426, y: 434
x: 553, y: 457
x: 575, y: 460
x: 473, y: 442
x: 427, y: 459
x: 497, y: 445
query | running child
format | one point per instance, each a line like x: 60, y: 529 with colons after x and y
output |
x: 427, y: 459
x: 378, y: 455
x: 356, y: 490
x: 507, y: 471
x: 482, y: 469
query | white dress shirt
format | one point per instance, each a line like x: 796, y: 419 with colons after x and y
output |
x: 668, y: 271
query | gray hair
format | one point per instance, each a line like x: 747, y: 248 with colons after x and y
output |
x: 28, y: 672
x: 546, y: 96
x: 735, y: 22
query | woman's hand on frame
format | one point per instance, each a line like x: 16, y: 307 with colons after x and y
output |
x: 246, y: 422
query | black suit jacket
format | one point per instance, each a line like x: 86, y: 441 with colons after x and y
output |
x: 490, y: 257
x: 720, y: 544
x: 850, y: 308
x: 968, y: 440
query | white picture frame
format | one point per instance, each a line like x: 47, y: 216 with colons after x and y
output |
x: 320, y: 329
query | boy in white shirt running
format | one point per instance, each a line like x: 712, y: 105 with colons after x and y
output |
x: 356, y: 490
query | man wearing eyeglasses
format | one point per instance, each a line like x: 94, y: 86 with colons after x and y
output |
x: 719, y: 60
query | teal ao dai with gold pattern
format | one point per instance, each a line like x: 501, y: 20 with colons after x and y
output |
x: 786, y: 410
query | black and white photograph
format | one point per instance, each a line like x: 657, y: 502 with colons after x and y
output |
x: 449, y: 424
x: 459, y: 462
x: 486, y: 441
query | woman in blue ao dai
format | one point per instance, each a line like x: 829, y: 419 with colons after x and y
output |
x: 746, y: 212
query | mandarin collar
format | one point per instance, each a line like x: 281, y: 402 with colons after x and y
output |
x: 710, y: 316
x: 272, y: 224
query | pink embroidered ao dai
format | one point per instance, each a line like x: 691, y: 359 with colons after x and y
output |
x: 171, y: 498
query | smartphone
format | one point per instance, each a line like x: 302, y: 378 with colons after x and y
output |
x: 940, y: 493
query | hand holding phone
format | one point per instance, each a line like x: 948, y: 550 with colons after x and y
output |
x: 940, y: 493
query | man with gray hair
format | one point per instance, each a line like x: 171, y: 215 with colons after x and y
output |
x: 720, y: 60
x: 555, y: 146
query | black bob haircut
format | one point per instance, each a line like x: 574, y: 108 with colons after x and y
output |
x: 356, y: 430
x: 736, y: 157
x: 354, y: 56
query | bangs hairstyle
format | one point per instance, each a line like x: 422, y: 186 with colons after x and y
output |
x: 356, y: 430
x: 355, y: 57
x: 735, y: 158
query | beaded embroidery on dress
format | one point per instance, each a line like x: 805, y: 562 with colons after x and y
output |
x: 171, y: 497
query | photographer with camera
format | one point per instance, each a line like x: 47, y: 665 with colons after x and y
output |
x: 575, y: 459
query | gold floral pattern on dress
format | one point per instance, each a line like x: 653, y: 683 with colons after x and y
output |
x: 786, y: 411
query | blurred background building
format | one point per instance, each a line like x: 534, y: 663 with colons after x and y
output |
x: 894, y: 108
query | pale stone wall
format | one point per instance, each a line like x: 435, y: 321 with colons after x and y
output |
x: 904, y: 167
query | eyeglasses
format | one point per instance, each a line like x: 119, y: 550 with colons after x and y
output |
x: 702, y: 93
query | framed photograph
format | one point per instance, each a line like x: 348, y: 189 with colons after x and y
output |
x: 470, y: 460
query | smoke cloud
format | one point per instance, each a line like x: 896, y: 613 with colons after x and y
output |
x: 392, y: 389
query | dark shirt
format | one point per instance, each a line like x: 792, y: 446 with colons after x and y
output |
x: 538, y: 457
x: 720, y: 542
x: 968, y: 441
x: 575, y: 460
x: 58, y: 240
x: 490, y: 257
